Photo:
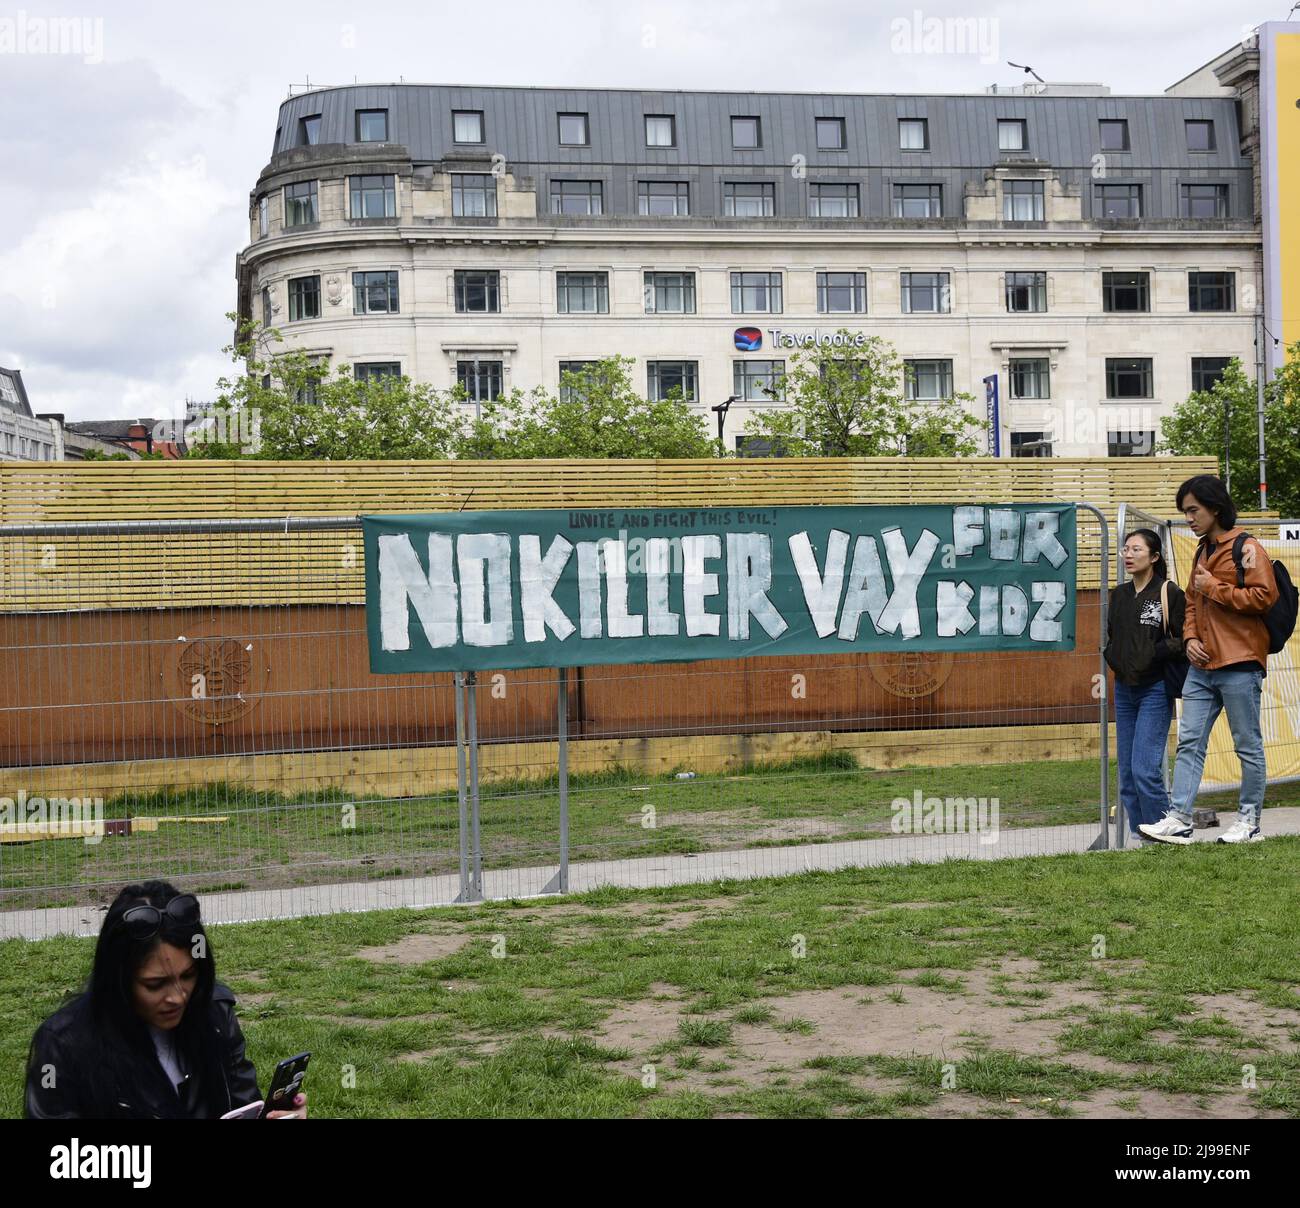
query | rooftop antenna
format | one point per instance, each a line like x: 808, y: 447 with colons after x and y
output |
x: 1032, y: 72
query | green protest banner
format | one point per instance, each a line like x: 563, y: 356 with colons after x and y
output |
x: 464, y: 591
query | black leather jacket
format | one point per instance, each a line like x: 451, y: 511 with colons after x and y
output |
x: 60, y: 1042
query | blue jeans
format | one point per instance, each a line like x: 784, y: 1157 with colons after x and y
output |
x: 1142, y: 717
x: 1205, y: 695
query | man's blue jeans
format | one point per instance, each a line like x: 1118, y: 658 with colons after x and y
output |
x: 1205, y: 695
x: 1142, y: 732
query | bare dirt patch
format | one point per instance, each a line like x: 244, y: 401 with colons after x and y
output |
x: 748, y: 825
x: 416, y: 949
x: 1250, y: 1017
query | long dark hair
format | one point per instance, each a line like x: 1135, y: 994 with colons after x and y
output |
x: 116, y: 1038
x: 1151, y: 539
x: 1211, y: 492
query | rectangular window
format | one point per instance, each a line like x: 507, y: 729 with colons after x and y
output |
x: 1031, y: 378
x: 925, y: 293
x: 1011, y: 134
x: 1030, y: 444
x: 746, y: 133
x: 1117, y: 201
x: 478, y: 291
x: 670, y: 293
x: 756, y: 446
x: 373, y: 196
x: 309, y: 130
x: 569, y: 390
x: 481, y: 380
x: 832, y: 201
x: 918, y: 201
x: 664, y: 198
x: 841, y: 293
x: 374, y: 293
x: 582, y: 293
x: 1203, y: 201
x: 667, y: 376
x: 1125, y: 292
x: 758, y: 381
x: 913, y: 134
x: 1206, y: 371
x: 927, y: 381
x: 1114, y: 134
x: 266, y: 306
x: 578, y: 197
x: 660, y: 130
x: 263, y: 216
x: 1022, y: 201
x: 374, y: 371
x: 1026, y: 292
x: 304, y: 298
x: 1128, y: 377
x: 745, y: 199
x: 1211, y: 291
x: 573, y: 130
x: 467, y: 125
x: 372, y: 125
x: 473, y: 195
x: 300, y: 204
x: 756, y: 293
x: 830, y: 134
x: 1200, y: 135
x: 1130, y: 444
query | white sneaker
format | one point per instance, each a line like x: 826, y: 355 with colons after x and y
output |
x: 1168, y: 830
x: 1241, y: 832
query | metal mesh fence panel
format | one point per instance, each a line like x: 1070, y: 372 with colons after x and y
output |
x: 205, y: 714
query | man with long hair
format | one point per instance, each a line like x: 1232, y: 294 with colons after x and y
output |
x: 1227, y: 646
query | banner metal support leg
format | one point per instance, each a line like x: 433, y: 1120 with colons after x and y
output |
x: 560, y: 882
x: 473, y: 891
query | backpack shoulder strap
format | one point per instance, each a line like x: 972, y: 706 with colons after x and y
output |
x: 1237, y: 546
x: 1164, y: 603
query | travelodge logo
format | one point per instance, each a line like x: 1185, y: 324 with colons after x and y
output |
x: 748, y: 339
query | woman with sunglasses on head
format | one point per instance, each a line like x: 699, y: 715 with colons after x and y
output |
x: 154, y: 1034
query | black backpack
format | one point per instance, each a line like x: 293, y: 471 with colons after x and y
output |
x: 1281, y: 618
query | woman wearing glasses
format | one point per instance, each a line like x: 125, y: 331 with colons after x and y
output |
x: 154, y: 1034
x: 1145, y: 638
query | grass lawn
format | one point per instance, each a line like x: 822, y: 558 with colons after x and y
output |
x: 270, y: 840
x: 1159, y: 982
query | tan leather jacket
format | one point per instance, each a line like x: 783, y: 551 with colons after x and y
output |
x: 1228, y: 620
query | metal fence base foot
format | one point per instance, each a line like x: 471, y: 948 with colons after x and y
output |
x: 1100, y: 843
x: 554, y: 885
x: 467, y: 897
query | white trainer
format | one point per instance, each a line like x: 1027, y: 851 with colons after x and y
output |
x: 1168, y: 830
x: 1241, y: 832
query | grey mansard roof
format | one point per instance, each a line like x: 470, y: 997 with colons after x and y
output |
x: 521, y: 124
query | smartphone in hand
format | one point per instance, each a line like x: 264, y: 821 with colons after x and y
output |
x: 285, y: 1084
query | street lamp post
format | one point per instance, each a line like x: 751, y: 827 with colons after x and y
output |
x: 720, y: 410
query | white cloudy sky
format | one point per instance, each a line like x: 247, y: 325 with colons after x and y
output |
x: 124, y: 180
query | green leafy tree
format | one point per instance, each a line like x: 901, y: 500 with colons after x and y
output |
x: 284, y: 407
x: 849, y: 401
x: 1224, y: 419
x: 597, y: 413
